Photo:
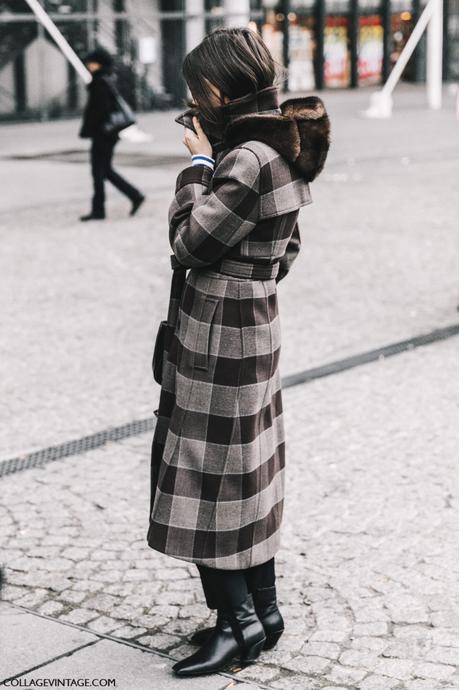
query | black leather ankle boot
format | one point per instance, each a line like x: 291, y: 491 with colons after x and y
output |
x: 238, y: 633
x: 268, y: 612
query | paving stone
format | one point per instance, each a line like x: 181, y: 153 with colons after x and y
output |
x: 125, y: 612
x: 407, y: 648
x: 102, y: 602
x: 160, y: 641
x: 412, y: 631
x: 32, y: 599
x: 11, y: 592
x: 179, y: 626
x: 422, y: 685
x: 361, y: 659
x: 293, y: 682
x: 78, y: 616
x: 375, y: 682
x: 395, y: 668
x: 443, y: 655
x: 369, y: 629
x: 372, y: 644
x: 72, y: 597
x: 446, y: 638
x: 102, y: 624
x: 307, y: 665
x: 50, y: 608
x: 329, y: 636
x: 346, y: 675
x: 437, y: 671
x: 129, y: 631
x: 327, y: 650
x: 259, y: 673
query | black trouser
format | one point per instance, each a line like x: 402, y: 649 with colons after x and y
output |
x: 229, y: 588
x: 101, y: 166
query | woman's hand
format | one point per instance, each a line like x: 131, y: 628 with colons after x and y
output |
x: 197, y: 143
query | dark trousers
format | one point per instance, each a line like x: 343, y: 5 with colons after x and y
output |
x: 101, y: 167
x: 229, y: 588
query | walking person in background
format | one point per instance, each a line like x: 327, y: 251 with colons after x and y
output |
x: 217, y: 472
x: 101, y: 104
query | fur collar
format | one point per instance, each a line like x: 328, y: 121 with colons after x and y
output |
x: 299, y: 130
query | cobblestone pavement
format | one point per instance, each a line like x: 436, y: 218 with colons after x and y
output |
x: 368, y: 572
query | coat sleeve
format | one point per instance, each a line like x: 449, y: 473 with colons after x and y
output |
x: 211, y: 212
x: 101, y: 103
x: 291, y: 252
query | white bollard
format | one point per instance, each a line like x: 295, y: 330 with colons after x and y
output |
x: 434, y: 67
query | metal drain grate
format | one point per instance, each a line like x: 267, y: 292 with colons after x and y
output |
x: 140, y: 426
x: 76, y: 447
x: 129, y: 158
x: 370, y: 356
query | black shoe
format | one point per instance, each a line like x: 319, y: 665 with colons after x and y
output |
x: 137, y: 204
x: 238, y: 633
x: 268, y: 613
x: 92, y: 216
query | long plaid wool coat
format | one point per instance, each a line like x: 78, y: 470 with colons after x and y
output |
x: 217, y: 474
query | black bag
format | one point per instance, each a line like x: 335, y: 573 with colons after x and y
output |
x: 166, y: 328
x: 158, y: 352
x: 123, y: 115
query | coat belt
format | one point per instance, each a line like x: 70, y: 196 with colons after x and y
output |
x: 238, y: 269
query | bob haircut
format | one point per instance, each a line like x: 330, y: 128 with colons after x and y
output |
x: 236, y: 61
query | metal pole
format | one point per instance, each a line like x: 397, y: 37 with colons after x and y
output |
x: 285, y: 5
x: 435, y: 56
x: 354, y: 41
x: 387, y: 38
x: 41, y: 73
x: 320, y: 14
x: 51, y: 28
x: 90, y: 24
x: 446, y: 43
x: 418, y: 71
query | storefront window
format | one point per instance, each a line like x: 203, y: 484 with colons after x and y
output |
x: 370, y: 44
x: 301, y: 47
x: 337, y: 60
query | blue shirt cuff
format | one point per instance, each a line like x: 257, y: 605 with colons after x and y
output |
x: 201, y: 159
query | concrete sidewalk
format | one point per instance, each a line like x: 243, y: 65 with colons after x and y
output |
x: 34, y: 647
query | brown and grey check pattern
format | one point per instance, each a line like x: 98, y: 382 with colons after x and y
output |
x: 218, y: 455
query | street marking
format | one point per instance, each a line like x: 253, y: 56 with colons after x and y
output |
x: 141, y: 426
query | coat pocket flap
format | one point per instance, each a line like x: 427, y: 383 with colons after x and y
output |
x: 201, y: 355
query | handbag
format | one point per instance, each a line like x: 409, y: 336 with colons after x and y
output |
x: 158, y: 352
x: 166, y: 328
x: 123, y: 115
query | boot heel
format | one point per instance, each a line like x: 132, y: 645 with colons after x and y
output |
x: 250, y: 655
x: 272, y: 639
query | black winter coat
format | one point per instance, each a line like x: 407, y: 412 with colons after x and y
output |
x: 101, y: 103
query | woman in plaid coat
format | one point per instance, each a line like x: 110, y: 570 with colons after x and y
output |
x: 217, y: 476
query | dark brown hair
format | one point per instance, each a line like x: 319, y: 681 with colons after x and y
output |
x: 236, y: 61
